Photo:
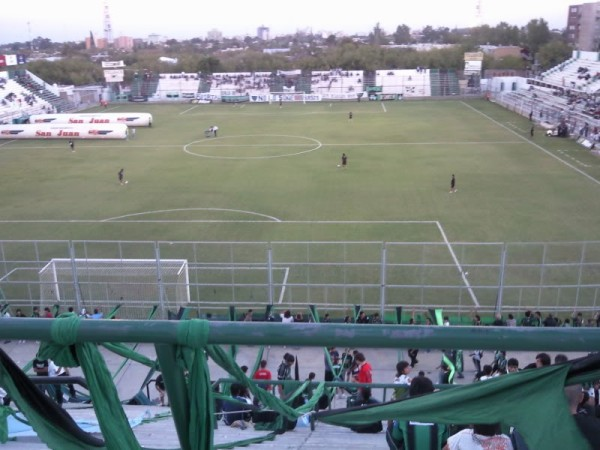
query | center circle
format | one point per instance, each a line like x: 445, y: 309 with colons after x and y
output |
x: 252, y: 146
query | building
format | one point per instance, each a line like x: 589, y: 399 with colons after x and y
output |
x: 214, y: 35
x: 583, y: 26
x: 123, y: 42
x: 262, y: 33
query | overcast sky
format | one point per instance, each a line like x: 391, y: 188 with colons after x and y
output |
x: 72, y: 20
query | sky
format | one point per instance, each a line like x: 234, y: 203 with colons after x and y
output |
x: 72, y: 20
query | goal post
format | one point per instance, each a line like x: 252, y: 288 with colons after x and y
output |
x: 121, y: 280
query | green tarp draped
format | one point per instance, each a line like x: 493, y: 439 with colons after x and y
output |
x: 532, y: 401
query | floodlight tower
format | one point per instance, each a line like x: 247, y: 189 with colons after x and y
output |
x: 107, y: 25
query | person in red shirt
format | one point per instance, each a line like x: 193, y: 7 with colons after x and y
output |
x: 263, y: 374
x: 364, y: 375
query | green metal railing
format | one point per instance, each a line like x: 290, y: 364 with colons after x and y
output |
x: 318, y: 335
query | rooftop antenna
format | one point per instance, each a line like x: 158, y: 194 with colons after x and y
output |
x: 107, y: 25
x: 478, y: 13
x: 29, y: 35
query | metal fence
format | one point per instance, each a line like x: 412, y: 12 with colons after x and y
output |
x: 334, y: 276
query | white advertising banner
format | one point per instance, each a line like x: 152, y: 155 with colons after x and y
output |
x: 112, y: 64
x: 129, y: 119
x: 114, y: 75
x: 46, y: 131
x: 11, y: 60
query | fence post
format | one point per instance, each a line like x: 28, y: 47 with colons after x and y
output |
x: 501, y: 279
x: 161, y: 287
x: 270, y: 272
x: 383, y: 281
x: 581, y: 262
x: 75, y: 277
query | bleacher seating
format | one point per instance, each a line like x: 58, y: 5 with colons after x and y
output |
x: 575, y: 74
x: 337, y: 81
x: 34, y: 85
x: 241, y: 83
x: 17, y: 102
x: 408, y: 82
x: 175, y: 86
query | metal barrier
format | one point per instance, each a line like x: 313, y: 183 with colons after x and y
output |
x: 458, y: 277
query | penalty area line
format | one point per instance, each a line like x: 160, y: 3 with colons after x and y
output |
x: 458, y: 265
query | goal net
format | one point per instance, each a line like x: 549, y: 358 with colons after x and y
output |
x: 115, y: 280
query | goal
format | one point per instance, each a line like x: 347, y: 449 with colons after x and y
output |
x: 121, y: 280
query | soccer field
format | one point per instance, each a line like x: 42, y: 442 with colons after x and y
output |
x: 272, y: 175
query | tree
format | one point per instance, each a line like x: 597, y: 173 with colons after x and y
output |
x: 428, y: 34
x: 535, y: 34
x: 553, y: 53
x: 402, y: 35
x: 331, y: 40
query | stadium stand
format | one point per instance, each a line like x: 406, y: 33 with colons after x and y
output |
x: 40, y: 90
x: 177, y: 86
x: 337, y: 81
x: 17, y: 103
x: 408, y: 82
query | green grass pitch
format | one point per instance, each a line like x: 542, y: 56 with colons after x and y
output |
x: 272, y: 175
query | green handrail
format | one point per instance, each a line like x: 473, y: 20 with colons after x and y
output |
x: 316, y: 334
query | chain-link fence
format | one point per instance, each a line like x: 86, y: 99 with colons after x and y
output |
x: 334, y: 276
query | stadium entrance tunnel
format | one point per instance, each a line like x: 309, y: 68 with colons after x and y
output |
x: 260, y: 146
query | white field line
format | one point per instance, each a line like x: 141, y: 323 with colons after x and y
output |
x: 187, y: 110
x: 366, y: 144
x: 383, y: 107
x: 539, y: 147
x: 8, y: 274
x: 122, y: 219
x: 458, y: 265
x: 283, y: 285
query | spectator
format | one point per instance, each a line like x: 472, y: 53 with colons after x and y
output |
x: 498, y: 321
x: 476, y: 357
x: 511, y: 321
x: 331, y: 362
x: 287, y: 317
x: 485, y: 374
x: 402, y: 378
x: 550, y: 321
x: 284, y: 372
x: 512, y: 365
x: 159, y: 383
x: 263, y: 374
x: 480, y: 437
x: 308, y: 392
x: 409, y: 435
x: 587, y: 424
x: 560, y: 358
x: 364, y: 375
x: 528, y: 320
x: 542, y: 360
x: 362, y: 318
x: 235, y: 414
x: 499, y: 365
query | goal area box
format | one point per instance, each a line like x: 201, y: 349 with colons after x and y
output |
x: 115, y: 280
